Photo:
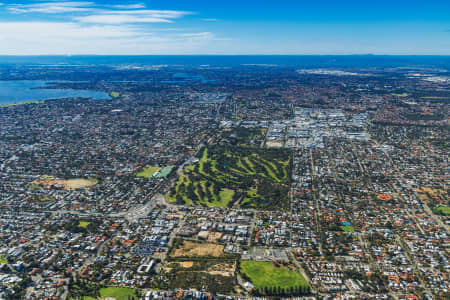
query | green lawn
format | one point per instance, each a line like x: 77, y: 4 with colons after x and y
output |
x: 83, y: 224
x: 348, y: 228
x: 3, y: 259
x: 266, y: 274
x: 147, y: 172
x: 444, y: 209
x: 114, y: 94
x: 45, y: 199
x: 119, y: 293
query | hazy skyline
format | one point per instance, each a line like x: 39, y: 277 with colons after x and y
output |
x: 229, y: 27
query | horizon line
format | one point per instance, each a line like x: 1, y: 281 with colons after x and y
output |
x: 354, y: 54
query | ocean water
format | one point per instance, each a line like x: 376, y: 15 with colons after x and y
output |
x: 19, y: 91
x: 308, y: 61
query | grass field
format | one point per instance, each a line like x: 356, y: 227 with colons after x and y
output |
x: 348, y: 228
x: 45, y: 199
x: 119, y: 293
x: 83, y: 224
x: 148, y: 171
x: 444, y: 210
x: 229, y: 176
x: 3, y: 259
x: 266, y: 274
x: 114, y: 94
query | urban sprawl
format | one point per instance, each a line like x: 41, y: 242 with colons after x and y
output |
x: 227, y: 183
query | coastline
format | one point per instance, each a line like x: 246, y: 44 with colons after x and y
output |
x: 22, y: 103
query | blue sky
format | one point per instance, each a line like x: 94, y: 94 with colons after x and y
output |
x: 224, y: 27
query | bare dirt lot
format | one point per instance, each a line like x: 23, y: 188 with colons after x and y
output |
x: 186, y: 264
x: 223, y: 269
x: 70, y: 184
x: 192, y: 249
x: 214, y: 236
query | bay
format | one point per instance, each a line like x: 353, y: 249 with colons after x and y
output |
x: 20, y: 91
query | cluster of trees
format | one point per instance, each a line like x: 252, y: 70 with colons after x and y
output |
x: 73, y: 226
x: 243, y: 136
x: 282, y: 292
x: 80, y: 289
x: 201, y: 280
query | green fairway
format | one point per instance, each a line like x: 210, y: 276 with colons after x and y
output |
x: 266, y: 274
x: 119, y: 293
x: 348, y: 228
x: 443, y: 210
x: 225, y: 196
x: 147, y: 172
x: 83, y: 224
x: 230, y: 176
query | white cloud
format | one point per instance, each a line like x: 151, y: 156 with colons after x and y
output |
x: 119, y: 19
x: 52, y: 7
x: 91, y: 28
x: 37, y: 38
x: 89, y: 12
x: 196, y: 35
x: 84, y: 7
x: 129, y: 6
x: 171, y: 14
x: 210, y: 20
x: 132, y: 16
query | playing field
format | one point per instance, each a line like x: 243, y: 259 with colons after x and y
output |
x: 444, y: 210
x: 83, y: 224
x: 119, y: 293
x: 148, y: 171
x: 266, y: 274
x: 348, y: 228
